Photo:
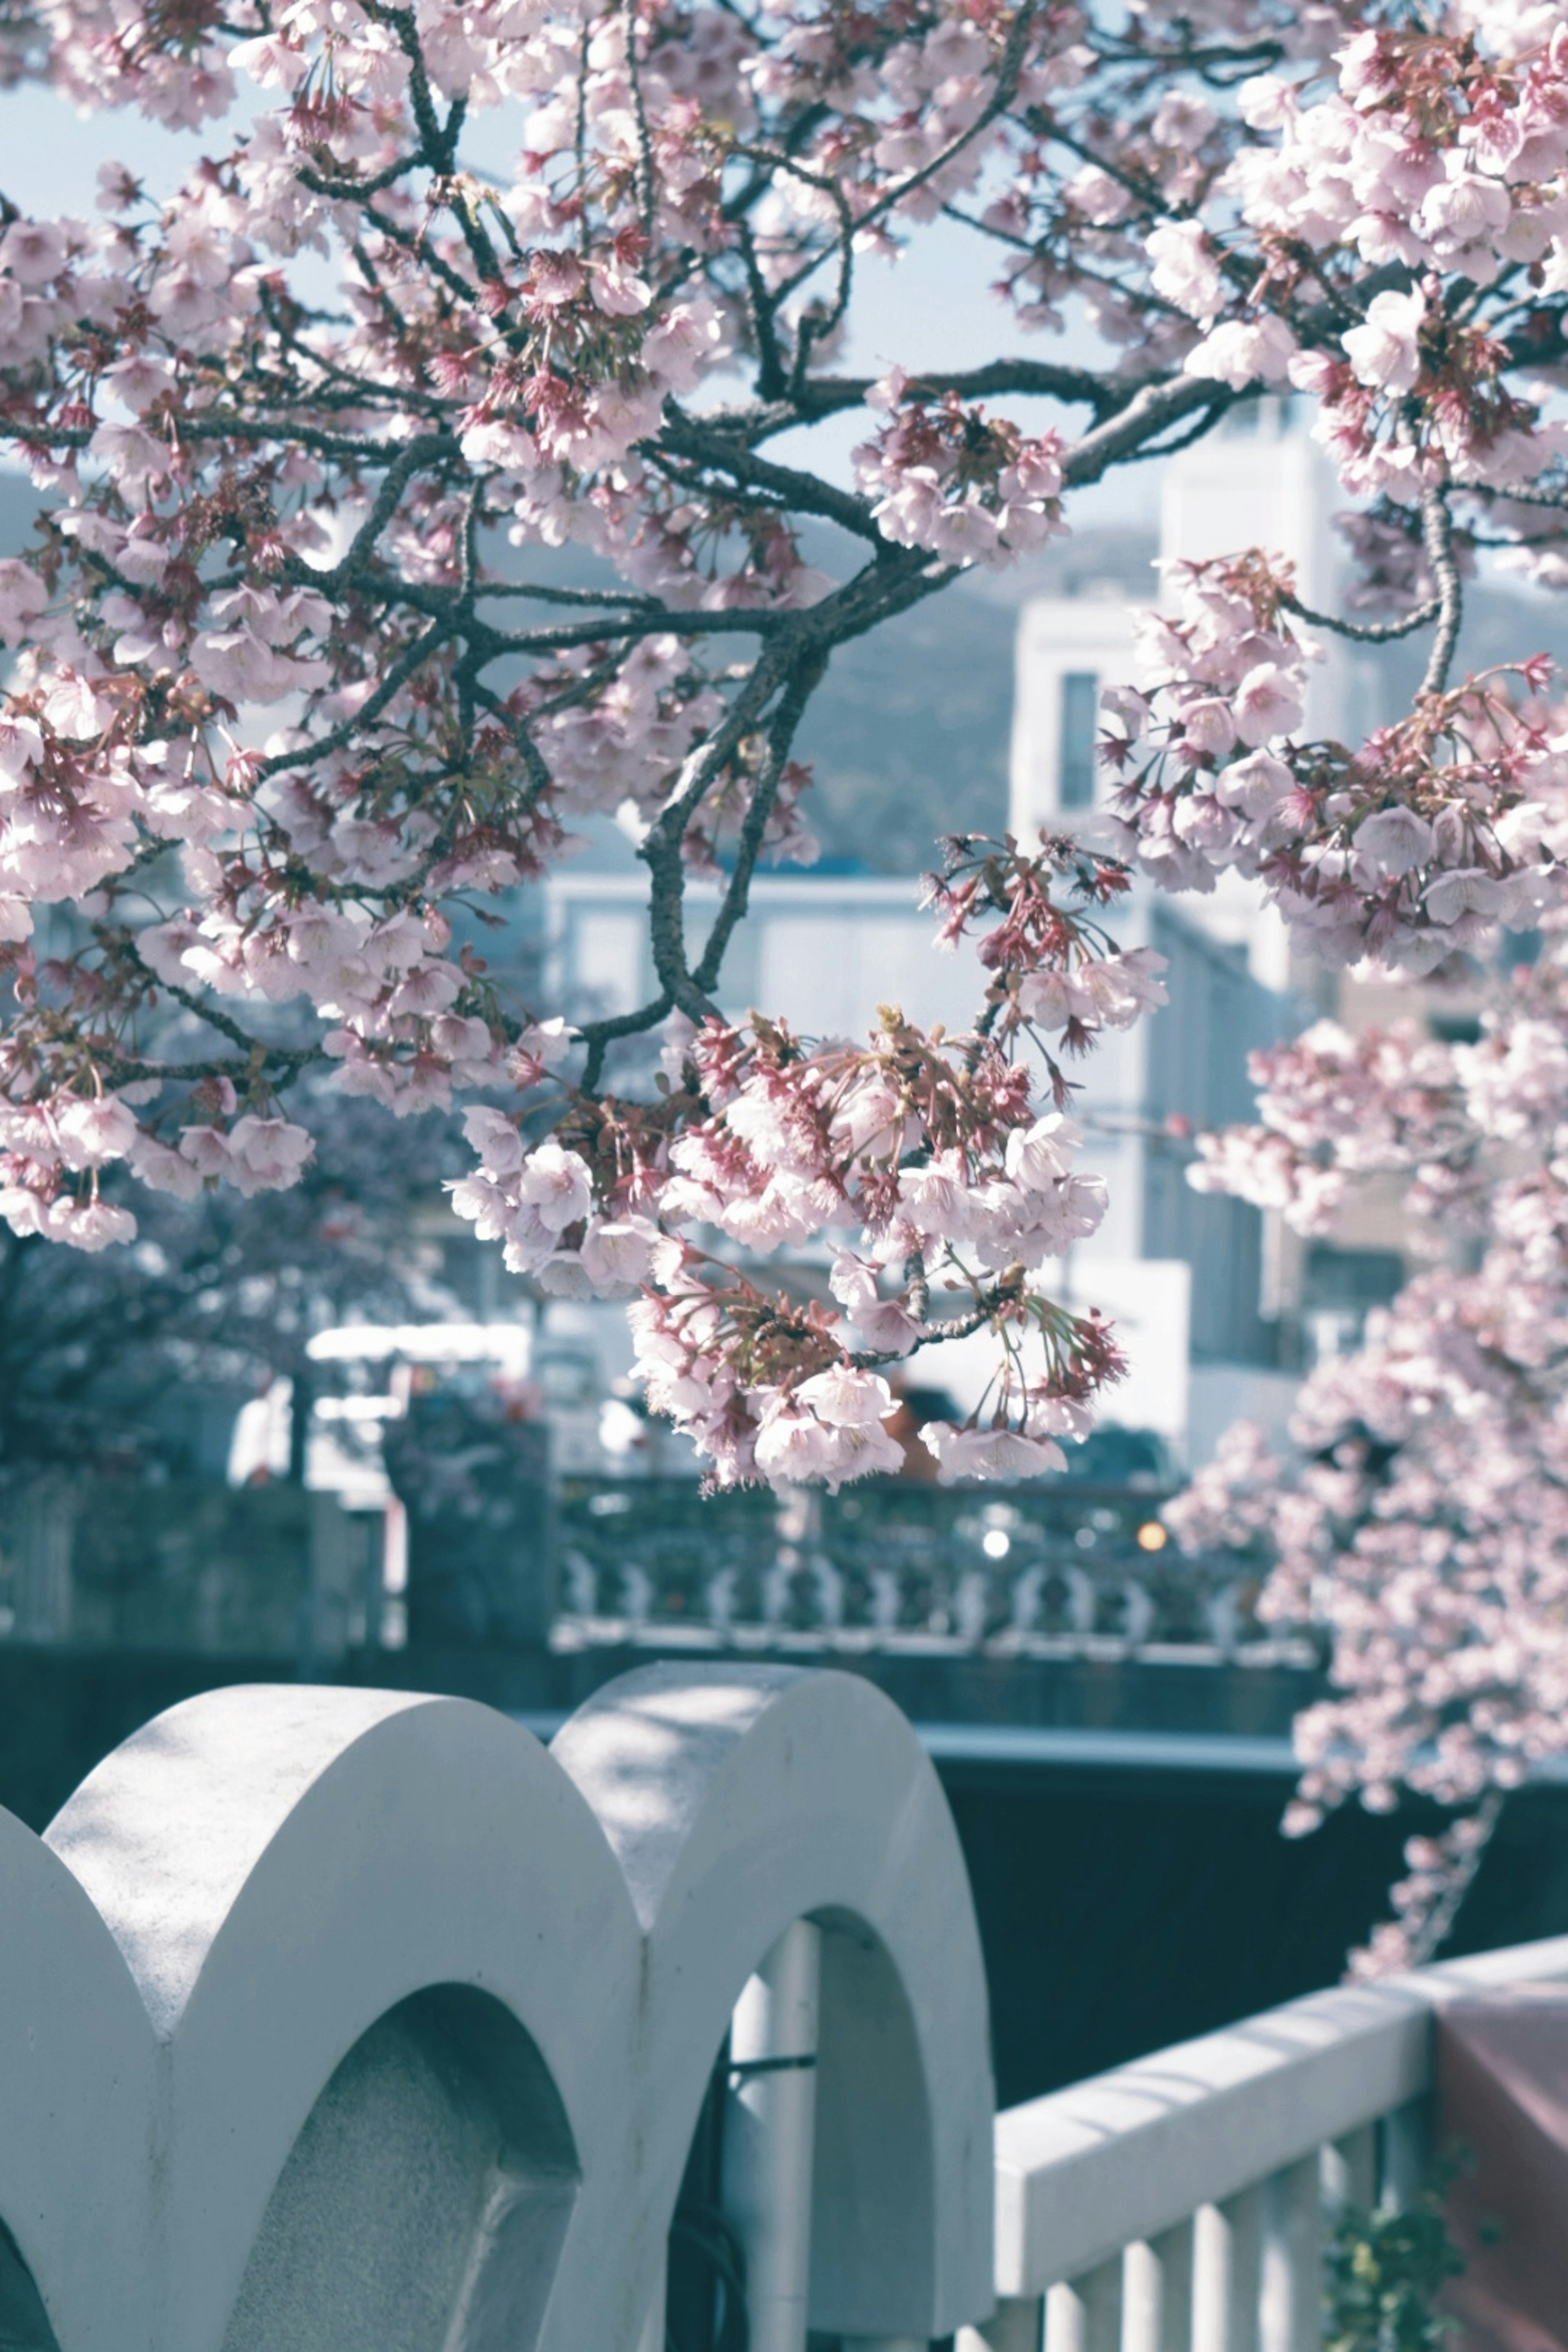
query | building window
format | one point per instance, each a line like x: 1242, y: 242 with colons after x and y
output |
x: 1080, y: 706
x: 1339, y: 1289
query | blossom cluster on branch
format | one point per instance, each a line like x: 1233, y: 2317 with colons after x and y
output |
x: 1412, y: 849
x: 918, y: 1159
x: 1424, y: 1524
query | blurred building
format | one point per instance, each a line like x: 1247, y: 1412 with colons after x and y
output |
x: 1259, y: 481
x: 823, y: 948
x: 1262, y: 1307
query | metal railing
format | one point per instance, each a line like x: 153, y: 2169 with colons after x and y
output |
x: 1059, y: 1570
x: 1180, y: 2204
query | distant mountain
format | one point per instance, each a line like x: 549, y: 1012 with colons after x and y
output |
x: 908, y: 735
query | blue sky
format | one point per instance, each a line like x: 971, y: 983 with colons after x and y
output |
x: 934, y: 309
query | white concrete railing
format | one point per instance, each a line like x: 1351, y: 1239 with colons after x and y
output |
x: 338, y: 2021
x: 1179, y: 2204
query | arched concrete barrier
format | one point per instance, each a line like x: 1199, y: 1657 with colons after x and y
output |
x: 357, y: 2021
x: 735, y: 1802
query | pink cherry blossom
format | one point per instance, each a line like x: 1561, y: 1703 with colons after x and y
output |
x: 988, y: 1453
x: 1186, y: 271
x: 1383, y: 352
x: 265, y: 1155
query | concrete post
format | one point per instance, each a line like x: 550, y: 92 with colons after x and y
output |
x: 768, y: 2126
x: 1291, y: 2311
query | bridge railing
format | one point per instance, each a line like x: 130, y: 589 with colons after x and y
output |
x: 353, y: 2020
x: 1064, y: 1570
x: 1180, y: 2204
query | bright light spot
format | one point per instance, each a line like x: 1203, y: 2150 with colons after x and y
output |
x: 621, y: 1431
x: 996, y: 1543
x: 1153, y: 1537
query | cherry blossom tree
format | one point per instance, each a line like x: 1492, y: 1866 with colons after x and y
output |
x: 1427, y: 1523
x: 280, y: 731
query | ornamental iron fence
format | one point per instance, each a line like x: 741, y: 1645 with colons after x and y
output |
x: 1053, y: 1569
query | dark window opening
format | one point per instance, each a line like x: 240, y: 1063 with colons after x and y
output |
x: 1350, y: 1280
x: 1080, y: 707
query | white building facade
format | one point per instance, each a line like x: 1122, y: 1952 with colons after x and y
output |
x: 823, y: 950
x: 1259, y: 482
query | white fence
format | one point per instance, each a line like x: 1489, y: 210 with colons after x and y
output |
x: 358, y: 2021
x: 1179, y: 2204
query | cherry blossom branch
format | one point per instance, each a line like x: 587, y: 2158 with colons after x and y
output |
x: 822, y: 396
x: 771, y: 375
x: 545, y: 351
x: 1437, y: 538
x: 713, y: 451
x: 1009, y: 70
x: 1430, y: 1918
x: 1150, y: 411
x: 807, y: 677
x: 339, y: 738
x: 1366, y: 633
x: 646, y: 197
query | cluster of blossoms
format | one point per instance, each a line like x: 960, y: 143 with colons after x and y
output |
x: 1426, y: 157
x: 287, y: 702
x: 1393, y: 245
x: 1335, y: 1109
x: 1425, y: 1523
x: 81, y: 1134
x: 1412, y: 848
x: 948, y: 481
x: 919, y: 1158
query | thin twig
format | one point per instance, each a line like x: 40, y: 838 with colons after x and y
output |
x: 786, y: 719
x: 1438, y: 1923
x: 1366, y: 633
x: 373, y: 705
